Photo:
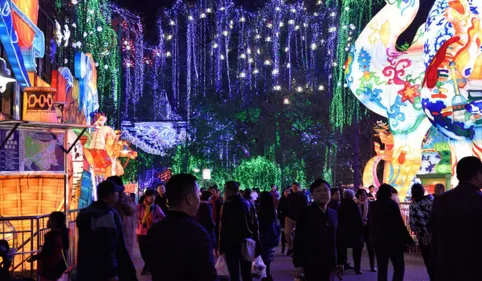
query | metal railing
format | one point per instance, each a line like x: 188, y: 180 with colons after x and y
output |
x: 26, y: 235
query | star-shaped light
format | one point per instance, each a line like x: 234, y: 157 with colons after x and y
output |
x: 409, y: 92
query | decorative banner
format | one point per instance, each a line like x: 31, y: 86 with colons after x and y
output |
x: 39, y: 104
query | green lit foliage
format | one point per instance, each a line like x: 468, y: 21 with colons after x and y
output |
x: 355, y: 14
x: 257, y: 172
x: 444, y: 166
x: 143, y: 162
x: 294, y: 171
x: 97, y: 36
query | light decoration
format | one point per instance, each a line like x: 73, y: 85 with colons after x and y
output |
x: 154, y: 137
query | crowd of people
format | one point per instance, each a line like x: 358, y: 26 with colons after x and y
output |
x: 182, y: 230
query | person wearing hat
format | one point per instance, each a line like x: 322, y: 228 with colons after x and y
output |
x: 102, y: 253
x: 457, y: 226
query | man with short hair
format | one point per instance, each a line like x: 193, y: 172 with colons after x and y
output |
x: 317, y: 252
x: 238, y: 223
x: 275, y: 195
x: 102, y: 253
x: 439, y: 189
x: 179, y: 247
x: 457, y: 226
x: 296, y: 203
x: 161, y: 199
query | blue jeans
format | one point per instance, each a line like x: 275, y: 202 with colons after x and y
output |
x: 239, y: 269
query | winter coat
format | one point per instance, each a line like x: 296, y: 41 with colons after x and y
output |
x: 127, y: 212
x: 156, y: 215
x: 205, y: 218
x: 102, y: 252
x: 269, y: 233
x: 350, y: 224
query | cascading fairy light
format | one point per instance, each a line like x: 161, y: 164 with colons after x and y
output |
x: 189, y: 47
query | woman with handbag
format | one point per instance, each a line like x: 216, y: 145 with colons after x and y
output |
x: 52, y: 261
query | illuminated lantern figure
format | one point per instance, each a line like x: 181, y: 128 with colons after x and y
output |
x: 370, y: 173
x: 102, y: 138
x: 388, y: 82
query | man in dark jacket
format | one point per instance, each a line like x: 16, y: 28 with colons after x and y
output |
x: 388, y: 234
x: 216, y: 204
x: 238, y: 222
x: 178, y: 247
x: 161, y: 199
x: 317, y: 250
x: 296, y: 203
x: 457, y: 226
x: 102, y: 252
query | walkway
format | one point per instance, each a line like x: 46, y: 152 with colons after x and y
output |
x: 282, y: 269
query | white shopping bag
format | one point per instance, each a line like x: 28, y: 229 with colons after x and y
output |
x: 258, y: 270
x: 222, y: 267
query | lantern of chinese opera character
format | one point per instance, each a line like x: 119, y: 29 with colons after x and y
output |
x: 102, y: 138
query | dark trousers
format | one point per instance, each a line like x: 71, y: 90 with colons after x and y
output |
x: 371, y: 254
x: 313, y: 273
x: 427, y: 259
x: 238, y: 267
x: 398, y: 261
x: 357, y: 253
x: 283, y: 241
x: 143, y: 248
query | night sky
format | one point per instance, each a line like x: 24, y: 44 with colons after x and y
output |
x: 150, y: 10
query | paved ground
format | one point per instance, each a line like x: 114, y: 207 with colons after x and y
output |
x: 282, y: 269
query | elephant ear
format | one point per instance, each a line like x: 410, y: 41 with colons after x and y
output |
x: 431, y: 75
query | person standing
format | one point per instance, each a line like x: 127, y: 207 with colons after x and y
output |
x: 351, y: 227
x: 296, y: 203
x: 102, y: 253
x: 388, y: 234
x: 178, y: 247
x: 282, y: 216
x: 204, y: 217
x: 317, y: 250
x: 275, y: 195
x: 420, y: 217
x: 51, y: 263
x: 371, y: 193
x: 161, y: 200
x: 127, y: 210
x: 269, y: 231
x: 457, y: 226
x: 216, y: 203
x: 239, y: 228
x: 335, y: 199
x: 363, y: 204
x: 439, y: 189
x: 148, y: 213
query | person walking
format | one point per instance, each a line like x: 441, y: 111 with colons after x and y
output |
x: 127, y: 212
x: 102, y: 253
x: 351, y: 227
x: 364, y: 203
x: 204, y: 217
x: 51, y: 262
x: 161, y: 199
x: 457, y: 226
x: 420, y: 217
x: 239, y: 230
x: 318, y: 254
x: 275, y: 195
x: 282, y: 205
x: 335, y: 201
x: 179, y: 248
x: 296, y: 203
x: 388, y: 234
x: 269, y: 230
x: 216, y: 204
x: 148, y: 213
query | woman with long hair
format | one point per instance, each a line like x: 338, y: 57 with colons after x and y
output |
x: 282, y: 205
x: 420, y: 217
x: 148, y: 213
x: 268, y: 230
x: 52, y: 261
